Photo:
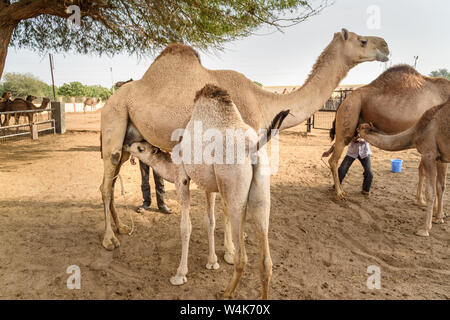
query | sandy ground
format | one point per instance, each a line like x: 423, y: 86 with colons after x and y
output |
x: 51, y: 216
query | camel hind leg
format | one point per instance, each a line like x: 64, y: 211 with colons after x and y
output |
x: 440, y: 190
x: 347, y: 118
x: 211, y: 225
x: 121, y: 228
x: 235, y: 196
x: 429, y: 164
x: 420, y: 197
x: 258, y: 208
x: 339, y: 147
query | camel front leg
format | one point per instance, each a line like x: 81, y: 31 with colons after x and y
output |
x: 440, y: 190
x: 419, y: 197
x: 211, y: 226
x: 430, y: 188
x: 334, y: 164
x: 109, y: 239
x: 182, y: 186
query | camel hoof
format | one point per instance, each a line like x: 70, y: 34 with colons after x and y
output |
x: 212, y: 266
x: 438, y: 221
x: 229, y: 258
x: 124, y: 229
x: 340, y: 196
x: 421, y: 203
x: 110, y: 242
x: 228, y: 295
x: 178, y: 280
x: 422, y: 233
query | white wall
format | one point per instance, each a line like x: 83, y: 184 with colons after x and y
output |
x: 78, y: 107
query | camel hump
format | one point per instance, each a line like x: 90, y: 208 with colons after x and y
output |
x: 179, y: 49
x: 399, y: 77
x: 430, y: 114
x: 211, y: 91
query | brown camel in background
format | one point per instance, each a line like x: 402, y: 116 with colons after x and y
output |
x: 393, y: 102
x: 4, y: 101
x: 431, y: 137
x: 92, y: 102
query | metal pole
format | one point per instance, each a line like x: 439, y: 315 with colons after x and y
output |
x: 112, y: 80
x: 50, y: 56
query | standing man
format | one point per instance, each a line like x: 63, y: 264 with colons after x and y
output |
x: 358, y: 149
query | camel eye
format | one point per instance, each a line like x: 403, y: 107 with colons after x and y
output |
x: 140, y: 149
x: 363, y: 43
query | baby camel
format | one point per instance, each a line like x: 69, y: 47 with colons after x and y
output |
x: 243, y: 179
x: 431, y: 136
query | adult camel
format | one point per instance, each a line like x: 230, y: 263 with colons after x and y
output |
x: 393, y: 102
x: 163, y: 100
x: 431, y: 137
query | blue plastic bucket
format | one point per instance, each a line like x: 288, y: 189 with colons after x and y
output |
x: 396, y: 165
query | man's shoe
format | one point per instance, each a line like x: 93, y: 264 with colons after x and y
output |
x: 366, y: 193
x: 143, y: 208
x: 164, y: 209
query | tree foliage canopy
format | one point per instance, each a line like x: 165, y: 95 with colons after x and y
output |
x: 22, y: 85
x: 444, y: 73
x: 77, y: 89
x: 142, y: 26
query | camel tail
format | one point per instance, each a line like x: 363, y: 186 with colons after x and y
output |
x: 333, y: 130
x: 273, y: 128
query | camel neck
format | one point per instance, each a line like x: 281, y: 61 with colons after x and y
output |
x: 331, y: 67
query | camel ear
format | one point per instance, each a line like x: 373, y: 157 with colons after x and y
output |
x: 344, y: 33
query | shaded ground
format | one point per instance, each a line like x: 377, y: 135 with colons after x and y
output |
x: 51, y: 216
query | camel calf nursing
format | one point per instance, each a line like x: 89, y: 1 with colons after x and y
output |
x: 431, y: 136
x: 243, y: 185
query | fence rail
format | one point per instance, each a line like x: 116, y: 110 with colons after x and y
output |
x: 35, y: 127
x: 324, y: 117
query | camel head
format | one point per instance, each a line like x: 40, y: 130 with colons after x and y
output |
x: 30, y: 98
x: 140, y: 149
x: 363, y: 48
x: 366, y: 128
x: 45, y: 102
x: 6, y: 95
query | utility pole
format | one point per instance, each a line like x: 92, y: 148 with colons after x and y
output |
x: 112, y: 80
x: 415, y: 61
x: 52, y: 66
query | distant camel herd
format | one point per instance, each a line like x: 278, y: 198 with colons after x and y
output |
x: 20, y: 104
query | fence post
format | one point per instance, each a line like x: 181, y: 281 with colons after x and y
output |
x: 59, y: 115
x: 34, y: 131
x: 308, y: 125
